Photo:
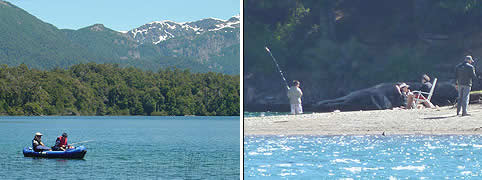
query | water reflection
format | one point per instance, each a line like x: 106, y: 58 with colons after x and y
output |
x: 407, y: 156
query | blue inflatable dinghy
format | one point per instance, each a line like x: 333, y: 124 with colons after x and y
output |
x: 76, y: 153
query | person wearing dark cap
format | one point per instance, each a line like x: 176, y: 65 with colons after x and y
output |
x: 61, y: 143
x: 37, y: 144
x: 464, y: 73
x: 426, y: 84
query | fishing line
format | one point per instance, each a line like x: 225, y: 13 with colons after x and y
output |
x: 277, y: 66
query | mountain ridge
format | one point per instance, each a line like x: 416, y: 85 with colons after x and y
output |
x: 201, y: 45
x: 170, y: 29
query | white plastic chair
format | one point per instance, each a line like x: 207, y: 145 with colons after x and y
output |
x: 426, y: 95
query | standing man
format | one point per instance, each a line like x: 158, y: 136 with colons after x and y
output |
x: 464, y: 73
x: 294, y: 94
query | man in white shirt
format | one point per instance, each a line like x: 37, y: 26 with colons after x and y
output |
x: 294, y: 94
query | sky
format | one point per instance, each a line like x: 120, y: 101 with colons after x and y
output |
x: 124, y: 15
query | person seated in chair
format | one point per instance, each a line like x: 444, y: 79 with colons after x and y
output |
x: 61, y: 143
x: 406, y: 95
x: 426, y: 84
x: 37, y: 144
x: 426, y: 87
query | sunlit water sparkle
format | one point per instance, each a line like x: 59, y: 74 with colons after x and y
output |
x: 365, y: 157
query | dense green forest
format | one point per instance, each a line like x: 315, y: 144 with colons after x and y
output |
x: 335, y: 47
x: 107, y: 89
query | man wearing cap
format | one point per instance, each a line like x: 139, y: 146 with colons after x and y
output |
x: 464, y: 73
x: 294, y: 94
x: 37, y: 144
x: 61, y: 143
x: 426, y: 85
x: 407, y: 96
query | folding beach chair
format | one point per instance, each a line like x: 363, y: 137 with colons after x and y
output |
x: 421, y: 97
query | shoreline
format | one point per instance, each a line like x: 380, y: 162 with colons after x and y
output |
x: 441, y: 121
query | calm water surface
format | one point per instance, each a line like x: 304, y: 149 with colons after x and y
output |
x: 125, y: 147
x: 363, y: 157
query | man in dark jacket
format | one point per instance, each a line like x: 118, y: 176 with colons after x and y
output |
x: 464, y: 73
x: 426, y: 84
x: 37, y: 144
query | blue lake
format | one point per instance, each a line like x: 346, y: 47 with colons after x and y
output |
x: 363, y: 157
x: 125, y: 147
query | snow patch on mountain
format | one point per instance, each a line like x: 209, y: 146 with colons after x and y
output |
x: 226, y: 25
x: 158, y: 31
x: 137, y: 31
x: 217, y: 19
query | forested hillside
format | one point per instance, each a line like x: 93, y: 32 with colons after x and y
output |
x: 335, y: 47
x: 207, y: 45
x: 106, y: 89
x: 25, y: 39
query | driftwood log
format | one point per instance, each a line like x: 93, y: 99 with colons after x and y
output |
x: 384, y: 96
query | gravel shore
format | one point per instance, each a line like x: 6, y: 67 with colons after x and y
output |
x: 441, y: 121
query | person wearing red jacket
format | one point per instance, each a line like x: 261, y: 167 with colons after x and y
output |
x: 61, y: 143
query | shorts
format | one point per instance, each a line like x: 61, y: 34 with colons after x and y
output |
x: 296, y: 109
x: 419, y: 96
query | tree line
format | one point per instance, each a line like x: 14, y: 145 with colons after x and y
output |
x: 107, y: 89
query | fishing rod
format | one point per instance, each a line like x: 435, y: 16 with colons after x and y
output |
x: 276, y: 63
x: 81, y: 142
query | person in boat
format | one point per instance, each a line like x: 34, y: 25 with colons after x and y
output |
x: 294, y: 94
x: 38, y: 145
x: 61, y: 143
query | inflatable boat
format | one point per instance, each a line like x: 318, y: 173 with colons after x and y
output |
x: 76, y: 153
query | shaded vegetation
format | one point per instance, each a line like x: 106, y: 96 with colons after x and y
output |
x: 107, y: 89
x: 337, y: 46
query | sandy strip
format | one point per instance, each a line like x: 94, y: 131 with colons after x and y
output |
x: 441, y: 121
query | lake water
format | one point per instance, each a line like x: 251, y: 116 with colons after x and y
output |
x: 363, y: 157
x: 126, y: 147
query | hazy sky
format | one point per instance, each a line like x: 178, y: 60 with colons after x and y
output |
x: 122, y: 15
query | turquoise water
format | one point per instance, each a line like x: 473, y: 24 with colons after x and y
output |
x: 125, y: 147
x: 363, y: 157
